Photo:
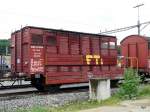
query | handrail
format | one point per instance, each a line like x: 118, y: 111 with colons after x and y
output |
x: 131, y: 60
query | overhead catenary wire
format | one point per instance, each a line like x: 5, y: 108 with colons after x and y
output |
x: 125, y: 28
x: 145, y: 26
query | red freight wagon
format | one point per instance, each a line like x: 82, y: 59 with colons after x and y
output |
x: 54, y: 57
x: 136, y: 52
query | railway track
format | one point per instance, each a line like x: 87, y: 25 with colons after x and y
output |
x: 18, y: 92
x: 11, y: 99
x: 29, y: 90
x: 11, y: 102
x: 15, y: 87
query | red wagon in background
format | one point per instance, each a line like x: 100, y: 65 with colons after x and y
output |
x: 135, y: 50
x: 51, y: 57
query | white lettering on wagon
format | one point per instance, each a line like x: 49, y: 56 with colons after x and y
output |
x: 37, y: 59
x: 36, y: 66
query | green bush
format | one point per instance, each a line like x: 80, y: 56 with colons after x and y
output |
x: 130, y: 86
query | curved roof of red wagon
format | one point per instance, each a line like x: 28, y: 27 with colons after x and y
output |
x: 140, y: 36
x: 100, y: 35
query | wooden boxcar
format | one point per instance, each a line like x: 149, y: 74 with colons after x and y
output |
x: 55, y: 57
x: 135, y: 50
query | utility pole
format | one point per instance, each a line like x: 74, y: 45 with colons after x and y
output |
x: 138, y: 22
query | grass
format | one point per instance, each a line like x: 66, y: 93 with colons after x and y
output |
x: 144, y: 92
x: 74, y: 106
x: 34, y: 109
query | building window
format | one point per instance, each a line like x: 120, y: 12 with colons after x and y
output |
x: 112, y: 45
x: 37, y: 39
x: 104, y: 45
x: 51, y: 41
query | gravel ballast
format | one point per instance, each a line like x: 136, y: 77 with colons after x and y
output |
x: 9, y: 105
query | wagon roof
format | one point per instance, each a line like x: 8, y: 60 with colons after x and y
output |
x: 144, y: 37
x: 100, y: 35
x: 147, y: 38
